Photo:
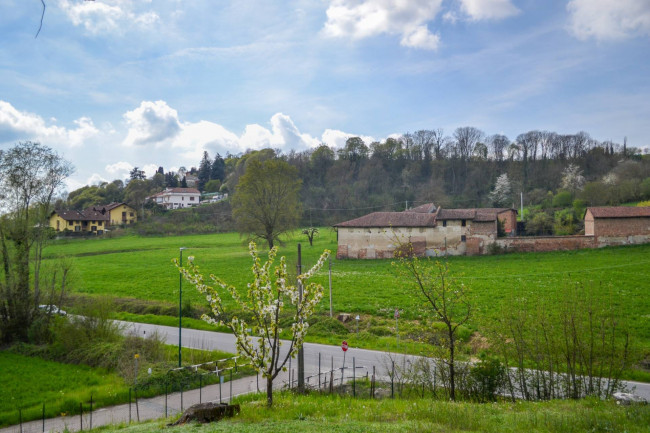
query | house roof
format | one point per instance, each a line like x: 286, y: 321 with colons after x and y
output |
x: 85, y: 215
x: 619, y: 212
x: 476, y: 214
x: 418, y: 218
x: 392, y: 219
x: 182, y: 191
x: 107, y: 207
x: 424, y: 208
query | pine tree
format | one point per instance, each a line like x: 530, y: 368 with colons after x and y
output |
x: 205, y: 169
x: 218, y: 168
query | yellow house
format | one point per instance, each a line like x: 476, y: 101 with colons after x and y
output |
x: 118, y: 213
x: 95, y: 219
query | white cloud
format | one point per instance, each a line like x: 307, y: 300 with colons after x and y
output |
x: 609, y: 20
x: 358, y: 19
x: 336, y: 138
x: 151, y: 122
x: 121, y: 168
x: 420, y: 37
x: 95, y: 179
x: 107, y: 15
x: 156, y: 123
x: 17, y: 125
x: 478, y: 10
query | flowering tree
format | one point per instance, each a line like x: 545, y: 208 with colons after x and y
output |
x: 572, y: 179
x: 265, y: 300
x: 502, y: 192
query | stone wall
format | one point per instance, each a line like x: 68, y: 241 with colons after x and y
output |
x: 546, y: 243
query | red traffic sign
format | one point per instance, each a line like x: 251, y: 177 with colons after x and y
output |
x: 344, y: 346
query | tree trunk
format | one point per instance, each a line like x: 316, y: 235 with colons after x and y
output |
x: 269, y: 391
x: 452, y: 373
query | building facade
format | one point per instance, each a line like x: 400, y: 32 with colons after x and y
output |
x: 176, y: 198
x: 94, y: 219
x: 429, y: 231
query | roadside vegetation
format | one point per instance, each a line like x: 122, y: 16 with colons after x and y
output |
x: 88, y: 354
x: 333, y: 413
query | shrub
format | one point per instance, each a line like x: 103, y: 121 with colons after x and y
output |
x: 326, y: 326
x: 562, y: 199
x: 486, y: 379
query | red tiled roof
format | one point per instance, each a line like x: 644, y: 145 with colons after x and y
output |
x: 425, y: 208
x: 183, y: 190
x: 85, y: 215
x: 456, y: 214
x: 392, y: 219
x: 619, y: 212
x: 490, y: 213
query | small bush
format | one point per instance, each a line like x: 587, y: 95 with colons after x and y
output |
x: 562, y: 199
x: 327, y: 326
x: 486, y: 379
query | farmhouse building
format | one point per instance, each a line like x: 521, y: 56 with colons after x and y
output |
x: 618, y: 225
x: 175, y: 198
x: 431, y: 231
x: 94, y: 219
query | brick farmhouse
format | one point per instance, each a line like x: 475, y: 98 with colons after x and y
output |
x: 430, y: 230
x: 435, y: 231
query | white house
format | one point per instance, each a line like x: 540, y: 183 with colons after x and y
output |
x: 175, y: 198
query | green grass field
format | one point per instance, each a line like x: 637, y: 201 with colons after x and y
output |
x: 325, y: 413
x: 28, y: 382
x: 137, y: 267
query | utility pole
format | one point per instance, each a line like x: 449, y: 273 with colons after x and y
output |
x: 301, y: 352
x: 522, y: 205
x: 330, y: 276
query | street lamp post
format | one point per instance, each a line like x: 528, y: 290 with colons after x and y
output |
x: 180, y: 307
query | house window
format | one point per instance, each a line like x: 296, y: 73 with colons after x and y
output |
x: 69, y: 223
x: 463, y: 223
x: 444, y: 223
x: 191, y: 198
x: 183, y: 198
x: 99, y: 223
x: 131, y: 214
x: 463, y: 238
x: 93, y: 228
x: 77, y: 228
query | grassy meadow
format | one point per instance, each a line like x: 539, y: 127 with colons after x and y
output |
x: 28, y: 382
x: 141, y: 267
x: 332, y: 413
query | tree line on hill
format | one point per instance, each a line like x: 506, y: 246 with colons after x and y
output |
x: 555, y: 172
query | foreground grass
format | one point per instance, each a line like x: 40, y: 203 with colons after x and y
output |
x: 28, y: 382
x: 325, y: 413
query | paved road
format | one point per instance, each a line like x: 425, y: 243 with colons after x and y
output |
x: 318, y: 357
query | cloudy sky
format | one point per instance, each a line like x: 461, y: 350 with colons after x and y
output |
x: 113, y: 84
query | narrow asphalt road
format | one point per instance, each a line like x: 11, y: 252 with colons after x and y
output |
x: 319, y: 358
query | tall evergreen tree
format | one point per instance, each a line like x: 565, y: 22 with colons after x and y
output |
x: 218, y: 168
x: 205, y: 169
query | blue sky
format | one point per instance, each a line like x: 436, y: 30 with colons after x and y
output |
x: 113, y: 84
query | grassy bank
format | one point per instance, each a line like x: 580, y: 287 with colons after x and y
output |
x: 316, y: 413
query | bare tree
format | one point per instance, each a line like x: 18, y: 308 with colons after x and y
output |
x: 444, y: 297
x: 466, y: 139
x: 498, y: 144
